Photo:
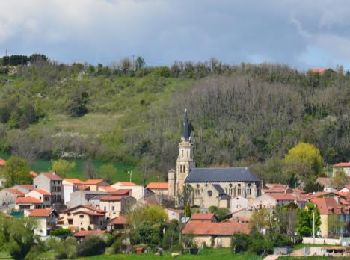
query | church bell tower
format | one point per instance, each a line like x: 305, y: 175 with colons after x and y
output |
x: 184, y: 160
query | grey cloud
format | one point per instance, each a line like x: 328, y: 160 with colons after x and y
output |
x: 163, y: 31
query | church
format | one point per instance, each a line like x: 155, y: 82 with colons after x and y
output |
x: 210, y: 186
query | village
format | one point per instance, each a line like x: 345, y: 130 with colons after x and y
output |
x: 210, y: 205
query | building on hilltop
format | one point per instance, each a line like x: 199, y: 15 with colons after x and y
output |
x: 209, y: 186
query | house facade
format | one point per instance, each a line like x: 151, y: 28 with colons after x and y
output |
x: 46, y: 220
x: 51, y: 183
x: 83, y: 217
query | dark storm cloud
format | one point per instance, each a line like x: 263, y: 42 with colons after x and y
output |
x: 299, y: 33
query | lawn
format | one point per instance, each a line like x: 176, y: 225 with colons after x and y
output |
x: 208, y: 254
x: 311, y: 257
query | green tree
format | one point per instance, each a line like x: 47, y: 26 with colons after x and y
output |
x: 304, y: 160
x: 339, y: 180
x: 147, y: 225
x: 16, y: 171
x: 92, y: 245
x: 89, y: 169
x: 16, y: 236
x: 240, y: 243
x: 220, y: 213
x: 187, y: 211
x: 63, y: 167
x: 305, y: 219
x: 108, y: 172
x: 171, y: 235
x: 77, y: 103
x: 312, y: 185
x: 140, y: 63
x: 261, y: 220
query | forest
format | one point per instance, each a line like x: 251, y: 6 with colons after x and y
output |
x: 129, y: 112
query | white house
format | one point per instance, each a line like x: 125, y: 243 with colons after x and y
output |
x: 343, y: 166
x: 69, y: 186
x: 42, y: 195
x: 46, y: 220
x: 239, y: 203
x: 137, y: 191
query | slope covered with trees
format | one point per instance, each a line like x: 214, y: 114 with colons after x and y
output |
x: 129, y: 112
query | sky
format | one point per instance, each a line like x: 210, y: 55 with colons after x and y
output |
x: 300, y: 33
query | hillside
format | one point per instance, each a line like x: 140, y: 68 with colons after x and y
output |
x: 244, y: 114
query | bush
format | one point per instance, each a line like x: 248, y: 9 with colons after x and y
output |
x: 93, y: 245
x: 220, y: 213
x: 61, y: 232
x: 239, y: 243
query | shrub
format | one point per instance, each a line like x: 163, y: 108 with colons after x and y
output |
x: 93, y: 245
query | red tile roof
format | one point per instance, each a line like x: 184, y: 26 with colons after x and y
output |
x: 90, y: 213
x: 2, y: 162
x: 85, y: 233
x: 27, y: 200
x: 73, y: 181
x: 121, y: 192
x: 202, y: 216
x: 26, y: 186
x: 110, y: 198
x: 327, y: 205
x: 93, y: 181
x: 318, y: 70
x: 219, y: 229
x: 42, y: 192
x: 342, y: 164
x: 121, y: 220
x: 15, y: 191
x: 278, y: 196
x: 52, y: 176
x: 89, y: 207
x: 33, y: 174
x: 40, y: 212
x: 158, y: 185
x: 108, y: 189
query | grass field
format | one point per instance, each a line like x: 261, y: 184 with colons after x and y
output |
x: 312, y: 257
x: 220, y: 254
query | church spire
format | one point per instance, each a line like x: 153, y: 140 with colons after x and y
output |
x: 186, y: 127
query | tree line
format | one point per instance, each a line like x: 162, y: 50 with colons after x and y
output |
x: 241, y: 114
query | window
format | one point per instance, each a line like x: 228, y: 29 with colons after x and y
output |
x: 210, y: 193
x: 81, y: 216
x: 249, y: 189
x: 239, y: 192
x: 112, y: 208
x: 182, y: 153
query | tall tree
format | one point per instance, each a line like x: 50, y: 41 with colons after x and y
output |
x: 305, y: 161
x: 77, y: 104
x: 108, y: 172
x: 305, y: 219
x: 16, y: 171
x: 62, y: 167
